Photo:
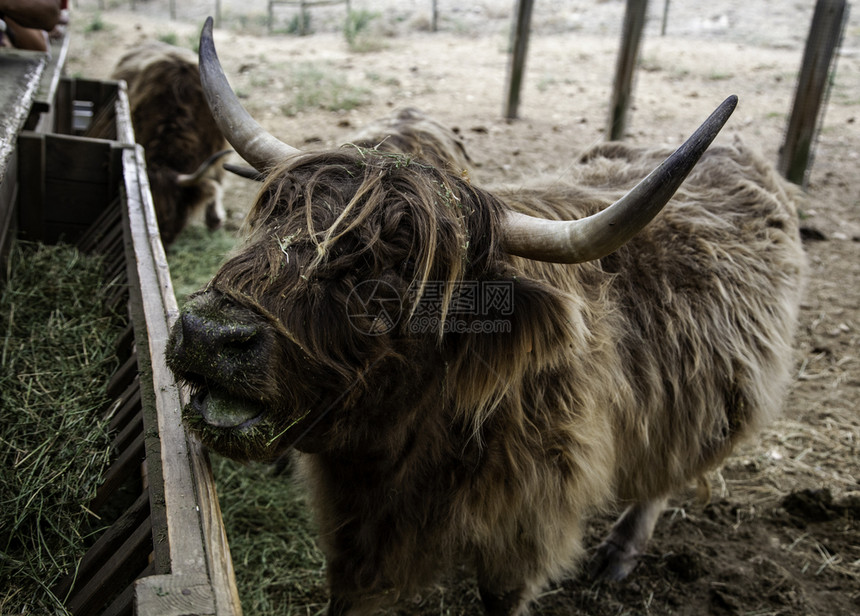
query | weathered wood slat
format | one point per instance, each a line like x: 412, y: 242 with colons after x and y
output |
x: 185, y: 481
x: 123, y: 346
x: 31, y: 193
x: 128, y: 462
x: 106, y: 545
x: 20, y: 73
x: 127, y: 406
x: 130, y: 431
x: 41, y: 117
x: 174, y: 595
x: 123, y: 566
x: 123, y: 605
x: 123, y: 377
x: 107, y: 222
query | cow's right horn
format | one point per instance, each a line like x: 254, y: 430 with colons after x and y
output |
x: 250, y: 140
x: 577, y: 241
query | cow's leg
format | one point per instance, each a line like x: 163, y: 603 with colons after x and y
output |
x: 616, y: 557
x: 215, y: 214
x: 503, y: 602
x: 338, y: 607
x: 504, y: 592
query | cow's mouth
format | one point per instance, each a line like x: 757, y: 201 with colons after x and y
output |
x: 221, y: 410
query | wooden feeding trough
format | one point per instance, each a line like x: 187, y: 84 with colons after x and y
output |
x: 165, y: 551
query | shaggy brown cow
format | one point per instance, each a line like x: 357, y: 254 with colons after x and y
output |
x: 182, y: 141
x: 457, y: 393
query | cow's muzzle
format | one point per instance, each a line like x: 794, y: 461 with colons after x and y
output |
x: 222, y: 351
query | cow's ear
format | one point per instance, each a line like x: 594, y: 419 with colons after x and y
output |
x: 524, y: 328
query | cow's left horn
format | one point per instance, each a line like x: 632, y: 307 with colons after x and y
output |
x: 250, y: 140
x: 190, y: 179
x: 577, y: 241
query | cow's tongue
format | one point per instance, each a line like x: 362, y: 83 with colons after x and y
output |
x: 223, y: 411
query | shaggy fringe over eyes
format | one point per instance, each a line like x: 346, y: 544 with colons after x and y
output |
x: 326, y: 222
x: 365, y: 210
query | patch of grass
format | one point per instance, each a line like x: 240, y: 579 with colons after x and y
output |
x: 359, y: 38
x: 171, y: 38
x: 279, y: 568
x: 300, y: 23
x: 318, y: 87
x: 719, y: 76
x: 57, y: 356
x: 195, y: 257
x: 96, y: 24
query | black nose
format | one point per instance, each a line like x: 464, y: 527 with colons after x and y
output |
x: 220, y: 345
x: 211, y: 336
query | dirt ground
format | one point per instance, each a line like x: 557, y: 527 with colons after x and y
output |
x: 781, y: 534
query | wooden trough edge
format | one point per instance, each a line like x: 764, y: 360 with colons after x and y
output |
x: 202, y: 579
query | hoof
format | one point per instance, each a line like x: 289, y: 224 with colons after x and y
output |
x: 612, y: 563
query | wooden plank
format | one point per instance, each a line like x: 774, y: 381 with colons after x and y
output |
x: 631, y: 38
x: 127, y: 464
x: 31, y: 185
x: 173, y: 595
x: 123, y: 377
x: 825, y: 34
x: 41, y: 117
x: 125, y: 341
x: 194, y: 527
x: 108, y: 221
x: 63, y: 107
x: 122, y: 112
x: 121, y: 568
x: 519, y: 47
x: 8, y: 211
x: 105, y: 546
x: 123, y: 605
x: 124, y: 408
x: 20, y: 72
x: 76, y: 159
x: 129, y: 432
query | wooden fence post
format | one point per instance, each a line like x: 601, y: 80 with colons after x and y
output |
x: 665, y: 18
x: 825, y: 34
x: 631, y: 37
x: 520, y: 45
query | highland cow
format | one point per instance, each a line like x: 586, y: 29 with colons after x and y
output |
x: 351, y: 326
x: 182, y: 142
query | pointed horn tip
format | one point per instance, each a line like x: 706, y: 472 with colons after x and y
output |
x: 206, y: 36
x: 727, y: 107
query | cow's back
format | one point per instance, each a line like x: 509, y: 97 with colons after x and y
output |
x: 703, y: 304
x: 169, y: 112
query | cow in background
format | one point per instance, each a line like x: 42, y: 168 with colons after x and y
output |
x: 183, y: 144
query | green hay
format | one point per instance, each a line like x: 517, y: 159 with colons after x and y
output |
x: 195, y: 256
x: 56, y: 358
x: 279, y: 568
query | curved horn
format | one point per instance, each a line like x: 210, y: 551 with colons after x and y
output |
x: 577, y: 241
x: 250, y: 140
x: 245, y: 172
x: 189, y: 179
